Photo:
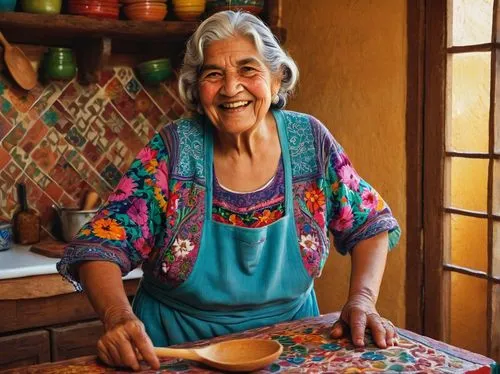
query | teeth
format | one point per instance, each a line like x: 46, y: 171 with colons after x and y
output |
x: 236, y: 104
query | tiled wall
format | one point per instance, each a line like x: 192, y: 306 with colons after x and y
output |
x: 63, y: 139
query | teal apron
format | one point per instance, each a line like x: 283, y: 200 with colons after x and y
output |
x: 243, y: 277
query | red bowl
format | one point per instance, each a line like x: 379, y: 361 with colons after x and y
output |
x: 99, y: 11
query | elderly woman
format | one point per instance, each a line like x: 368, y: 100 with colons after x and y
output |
x: 229, y: 211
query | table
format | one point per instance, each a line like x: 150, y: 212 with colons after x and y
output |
x: 309, y: 349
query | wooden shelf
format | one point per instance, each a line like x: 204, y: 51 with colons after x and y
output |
x: 43, y: 29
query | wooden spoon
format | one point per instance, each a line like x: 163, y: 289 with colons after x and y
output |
x: 230, y: 355
x: 19, y: 65
x: 91, y: 201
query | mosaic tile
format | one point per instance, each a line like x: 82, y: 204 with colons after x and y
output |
x: 54, y: 191
x: 142, y: 128
x: 161, y: 96
x: 105, y: 77
x: 4, y: 158
x: 75, y: 138
x: 45, y: 156
x: 133, y: 87
x: 67, y: 177
x: 33, y: 136
x: 5, y: 127
x: 67, y: 201
x: 124, y: 104
x: 112, y: 175
x: 145, y: 105
x: 124, y: 74
x: 23, y: 100
x: 100, y: 135
x: 8, y: 110
x: 58, y: 141
x: 91, y: 153
x: 48, y: 97
x: 12, y: 170
x: 20, y: 157
x: 121, y: 156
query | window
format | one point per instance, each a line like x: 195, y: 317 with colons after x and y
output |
x: 454, y: 170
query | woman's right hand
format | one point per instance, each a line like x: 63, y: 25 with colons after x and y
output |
x: 126, y: 342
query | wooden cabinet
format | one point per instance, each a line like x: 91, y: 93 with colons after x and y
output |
x: 24, y: 349
x: 57, y: 323
x: 75, y: 340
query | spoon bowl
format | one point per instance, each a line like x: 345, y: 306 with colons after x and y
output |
x: 230, y: 355
x: 19, y: 65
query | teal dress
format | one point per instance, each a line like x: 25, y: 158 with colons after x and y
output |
x: 237, y: 282
x: 209, y: 272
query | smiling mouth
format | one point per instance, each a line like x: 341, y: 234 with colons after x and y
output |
x: 234, y: 105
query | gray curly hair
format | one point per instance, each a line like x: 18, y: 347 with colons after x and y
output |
x: 224, y: 25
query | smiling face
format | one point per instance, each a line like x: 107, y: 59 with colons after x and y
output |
x: 235, y: 85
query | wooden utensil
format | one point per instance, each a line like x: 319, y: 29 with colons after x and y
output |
x: 92, y: 200
x: 230, y: 355
x: 19, y: 65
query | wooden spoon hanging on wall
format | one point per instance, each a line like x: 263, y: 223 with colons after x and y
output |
x: 19, y: 65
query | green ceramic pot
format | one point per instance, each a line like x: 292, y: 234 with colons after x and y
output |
x: 58, y: 64
x: 155, y: 77
x: 154, y: 65
x: 41, y: 6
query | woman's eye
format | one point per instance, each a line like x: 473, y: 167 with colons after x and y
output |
x: 212, y: 74
x: 247, y: 69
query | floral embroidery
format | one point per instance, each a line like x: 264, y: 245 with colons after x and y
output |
x: 315, y: 199
x: 107, y: 228
x: 309, y: 242
x: 182, y: 247
x: 125, y: 188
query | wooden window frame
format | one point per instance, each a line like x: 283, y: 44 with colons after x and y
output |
x: 425, y: 142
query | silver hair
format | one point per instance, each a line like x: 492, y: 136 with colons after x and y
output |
x: 224, y: 25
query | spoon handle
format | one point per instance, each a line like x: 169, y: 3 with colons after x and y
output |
x: 186, y: 353
x: 4, y: 41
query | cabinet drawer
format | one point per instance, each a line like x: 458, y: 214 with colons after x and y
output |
x: 24, y: 349
x: 75, y: 340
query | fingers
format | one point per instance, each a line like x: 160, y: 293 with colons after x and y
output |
x: 383, y: 331
x: 339, y: 329
x: 125, y: 345
x: 357, y: 323
x: 144, y: 346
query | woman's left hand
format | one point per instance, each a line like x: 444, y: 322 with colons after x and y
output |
x: 359, y: 314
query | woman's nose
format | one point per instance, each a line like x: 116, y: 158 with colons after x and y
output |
x: 232, y: 84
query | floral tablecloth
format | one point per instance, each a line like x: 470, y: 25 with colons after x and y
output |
x: 309, y: 349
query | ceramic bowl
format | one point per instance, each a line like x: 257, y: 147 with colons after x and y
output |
x: 188, y: 10
x: 41, y: 6
x: 154, y: 65
x: 7, y: 5
x: 93, y: 9
x: 154, y: 71
x: 145, y: 11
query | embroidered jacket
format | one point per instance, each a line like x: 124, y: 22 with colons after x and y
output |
x: 155, y: 216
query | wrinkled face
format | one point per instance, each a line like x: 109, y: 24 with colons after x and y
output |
x: 235, y: 85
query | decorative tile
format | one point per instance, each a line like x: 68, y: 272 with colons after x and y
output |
x: 20, y: 157
x: 133, y: 86
x: 63, y: 139
x: 5, y: 127
x: 106, y: 75
x: 112, y: 175
x: 4, y: 158
x: 45, y: 156
x: 75, y: 138
x: 23, y: 100
x: 33, y: 136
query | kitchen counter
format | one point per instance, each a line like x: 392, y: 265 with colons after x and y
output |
x: 19, y: 261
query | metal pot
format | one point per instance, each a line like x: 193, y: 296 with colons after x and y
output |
x: 72, y: 220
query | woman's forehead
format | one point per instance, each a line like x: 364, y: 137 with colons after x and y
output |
x: 236, y: 47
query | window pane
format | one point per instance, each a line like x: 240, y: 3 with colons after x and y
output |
x: 467, y: 183
x: 469, y: 242
x: 471, y: 22
x: 468, y: 312
x: 496, y: 250
x: 469, y: 105
x: 496, y: 187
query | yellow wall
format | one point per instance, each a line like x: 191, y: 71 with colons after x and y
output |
x: 352, y: 59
